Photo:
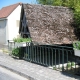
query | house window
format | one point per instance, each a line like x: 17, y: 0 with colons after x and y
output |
x: 17, y: 23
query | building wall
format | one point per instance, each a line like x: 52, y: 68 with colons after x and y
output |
x: 12, y: 23
x: 3, y: 31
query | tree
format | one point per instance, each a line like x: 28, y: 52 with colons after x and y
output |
x: 49, y: 2
x: 67, y: 3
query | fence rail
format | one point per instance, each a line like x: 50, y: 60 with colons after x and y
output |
x: 56, y: 57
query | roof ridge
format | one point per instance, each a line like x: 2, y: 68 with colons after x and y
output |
x: 11, y: 5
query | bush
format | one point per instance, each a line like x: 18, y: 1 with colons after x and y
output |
x: 22, y: 40
x: 73, y: 63
x: 76, y: 45
x: 68, y: 64
x: 15, y: 52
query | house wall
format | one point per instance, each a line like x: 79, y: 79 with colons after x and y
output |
x: 3, y: 31
x: 13, y: 27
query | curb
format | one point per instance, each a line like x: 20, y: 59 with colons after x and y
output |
x: 17, y: 72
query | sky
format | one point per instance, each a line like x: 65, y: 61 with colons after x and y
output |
x: 4, y: 3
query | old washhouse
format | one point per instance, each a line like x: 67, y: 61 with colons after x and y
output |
x: 48, y: 27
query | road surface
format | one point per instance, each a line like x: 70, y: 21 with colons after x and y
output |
x: 8, y: 75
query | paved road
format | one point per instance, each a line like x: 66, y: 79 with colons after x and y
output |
x: 32, y: 71
x: 8, y: 75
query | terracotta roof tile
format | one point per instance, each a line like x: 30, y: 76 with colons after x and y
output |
x: 6, y: 11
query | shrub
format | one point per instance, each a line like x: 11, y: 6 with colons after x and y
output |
x: 22, y: 40
x: 73, y: 63
x: 15, y: 52
x: 68, y: 64
x: 54, y: 68
x: 76, y: 45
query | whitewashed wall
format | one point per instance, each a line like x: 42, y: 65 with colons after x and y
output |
x: 12, y: 27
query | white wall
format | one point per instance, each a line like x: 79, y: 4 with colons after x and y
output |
x: 3, y: 31
x: 12, y: 27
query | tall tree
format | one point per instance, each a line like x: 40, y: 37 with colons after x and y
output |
x: 67, y: 3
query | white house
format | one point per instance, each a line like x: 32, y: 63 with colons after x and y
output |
x: 9, y: 22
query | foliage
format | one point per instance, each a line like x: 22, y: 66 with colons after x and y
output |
x: 76, y: 45
x: 73, y: 63
x: 67, y: 3
x: 50, y: 2
x: 15, y: 52
x: 22, y: 40
x: 68, y: 64
x: 54, y: 68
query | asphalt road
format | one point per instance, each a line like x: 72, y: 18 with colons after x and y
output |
x: 8, y: 75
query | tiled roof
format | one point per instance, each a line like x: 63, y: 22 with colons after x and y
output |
x: 6, y: 11
x: 48, y: 24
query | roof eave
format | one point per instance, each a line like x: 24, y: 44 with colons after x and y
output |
x: 3, y: 18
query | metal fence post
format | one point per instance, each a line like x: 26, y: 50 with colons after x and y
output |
x: 31, y: 44
x: 8, y: 44
x: 62, y: 59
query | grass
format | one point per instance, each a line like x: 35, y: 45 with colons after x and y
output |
x: 5, y: 50
x: 54, y: 68
x: 73, y: 63
x: 69, y: 64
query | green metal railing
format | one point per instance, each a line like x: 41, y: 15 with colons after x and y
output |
x: 54, y: 56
